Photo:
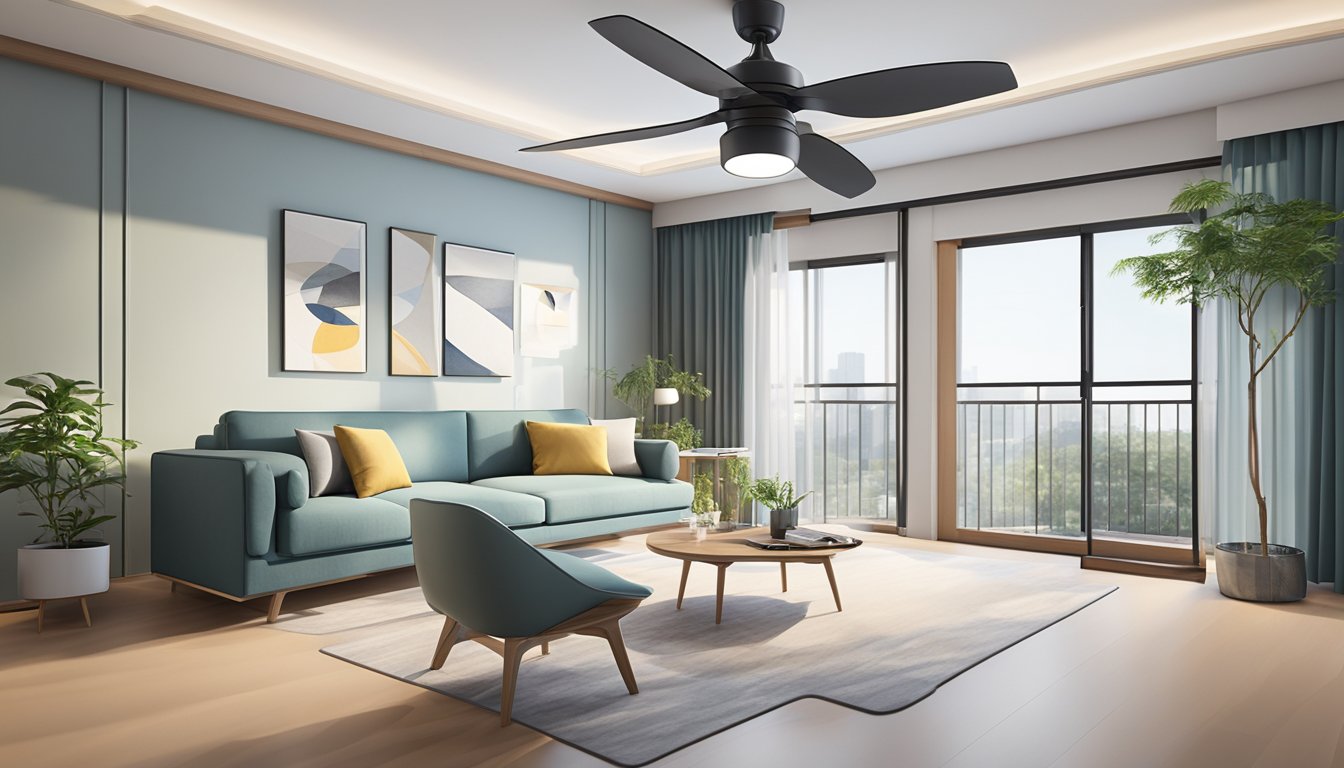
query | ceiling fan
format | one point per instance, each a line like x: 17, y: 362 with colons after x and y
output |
x: 758, y: 97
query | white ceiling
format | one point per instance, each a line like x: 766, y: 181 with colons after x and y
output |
x: 485, y: 78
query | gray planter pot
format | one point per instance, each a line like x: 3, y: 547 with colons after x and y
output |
x: 1243, y: 573
x: 782, y: 521
x: 50, y: 572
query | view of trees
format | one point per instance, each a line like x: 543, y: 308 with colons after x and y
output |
x: 1020, y: 468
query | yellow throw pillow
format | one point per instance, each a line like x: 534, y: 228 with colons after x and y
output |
x: 374, y: 462
x: 568, y: 449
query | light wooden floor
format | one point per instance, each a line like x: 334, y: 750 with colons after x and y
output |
x: 1161, y: 673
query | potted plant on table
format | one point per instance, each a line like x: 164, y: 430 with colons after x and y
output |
x: 1250, y: 247
x: 53, y: 451
x: 778, y: 497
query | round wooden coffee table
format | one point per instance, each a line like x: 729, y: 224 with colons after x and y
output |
x: 723, y: 549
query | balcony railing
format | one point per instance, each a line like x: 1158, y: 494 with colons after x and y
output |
x: 848, y: 438
x: 1020, y: 466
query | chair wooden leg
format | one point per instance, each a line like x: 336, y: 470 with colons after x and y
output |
x: 172, y: 587
x: 681, y: 591
x: 612, y: 631
x: 835, y: 591
x: 513, y: 654
x: 84, y: 604
x: 274, y: 612
x: 546, y: 649
x: 447, y: 639
x: 783, y: 576
x: 41, y: 614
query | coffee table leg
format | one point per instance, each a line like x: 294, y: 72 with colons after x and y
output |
x: 681, y: 591
x: 718, y: 604
x: 783, y: 576
x: 835, y: 591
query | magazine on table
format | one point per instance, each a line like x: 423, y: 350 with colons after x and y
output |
x: 805, y: 538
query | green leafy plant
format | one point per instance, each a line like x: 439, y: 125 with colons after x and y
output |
x: 775, y: 494
x: 681, y: 432
x: 52, y: 446
x: 1249, y: 247
x: 737, y: 475
x: 635, y: 388
x: 702, y: 503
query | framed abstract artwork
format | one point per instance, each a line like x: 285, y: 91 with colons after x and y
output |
x: 546, y: 319
x: 413, y: 304
x: 478, y: 311
x: 323, y: 312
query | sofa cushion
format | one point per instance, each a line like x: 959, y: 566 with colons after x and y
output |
x: 433, y: 443
x: 512, y: 509
x: 374, y: 461
x: 621, y: 446
x: 334, y: 523
x: 567, y: 449
x: 328, y: 474
x: 497, y: 443
x: 571, y: 498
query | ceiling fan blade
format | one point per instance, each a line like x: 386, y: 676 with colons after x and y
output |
x: 633, y: 134
x: 669, y: 56
x: 831, y: 165
x: 903, y: 90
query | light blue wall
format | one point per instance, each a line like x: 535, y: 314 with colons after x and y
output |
x: 200, y: 331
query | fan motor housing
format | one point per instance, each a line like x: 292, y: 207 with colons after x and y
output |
x: 766, y: 73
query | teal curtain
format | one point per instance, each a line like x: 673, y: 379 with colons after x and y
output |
x: 1307, y: 453
x: 699, y: 285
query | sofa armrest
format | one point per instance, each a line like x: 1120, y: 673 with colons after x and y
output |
x: 255, y: 482
x: 658, y: 458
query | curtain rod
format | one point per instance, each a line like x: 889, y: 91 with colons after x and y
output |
x: 1018, y: 189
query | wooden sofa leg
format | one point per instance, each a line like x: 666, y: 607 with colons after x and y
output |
x: 274, y: 612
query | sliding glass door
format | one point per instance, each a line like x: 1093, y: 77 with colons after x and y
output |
x: 847, y: 403
x: 1073, y: 417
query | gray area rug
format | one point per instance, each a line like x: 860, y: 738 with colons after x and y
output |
x: 912, y: 620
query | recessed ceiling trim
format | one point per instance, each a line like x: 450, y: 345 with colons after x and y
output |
x: 117, y: 74
x: 1096, y: 78
x: 192, y: 28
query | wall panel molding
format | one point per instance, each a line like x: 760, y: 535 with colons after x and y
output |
x: 116, y: 74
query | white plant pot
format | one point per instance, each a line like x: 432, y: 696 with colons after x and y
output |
x: 49, y: 572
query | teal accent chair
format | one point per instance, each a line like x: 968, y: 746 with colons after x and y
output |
x: 495, y: 588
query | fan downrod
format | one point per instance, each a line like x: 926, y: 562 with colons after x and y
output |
x: 758, y: 21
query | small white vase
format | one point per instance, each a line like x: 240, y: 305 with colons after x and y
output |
x: 50, y: 572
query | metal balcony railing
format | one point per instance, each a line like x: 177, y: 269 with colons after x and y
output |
x: 848, y: 438
x: 1020, y: 467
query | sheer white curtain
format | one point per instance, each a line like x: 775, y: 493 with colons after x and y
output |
x: 766, y: 350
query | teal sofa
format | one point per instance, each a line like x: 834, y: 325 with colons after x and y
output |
x: 232, y: 516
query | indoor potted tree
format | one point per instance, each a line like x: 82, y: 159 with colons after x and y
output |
x: 1251, y: 246
x: 777, y: 497
x: 638, y: 388
x: 54, y: 452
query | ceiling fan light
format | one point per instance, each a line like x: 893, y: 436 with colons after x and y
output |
x: 759, y: 151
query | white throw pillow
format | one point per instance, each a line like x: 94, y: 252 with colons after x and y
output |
x: 328, y: 474
x: 620, y: 445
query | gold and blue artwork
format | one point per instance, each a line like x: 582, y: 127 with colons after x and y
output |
x: 324, y: 315
x: 414, y: 304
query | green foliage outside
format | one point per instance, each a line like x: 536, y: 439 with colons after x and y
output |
x: 53, y: 448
